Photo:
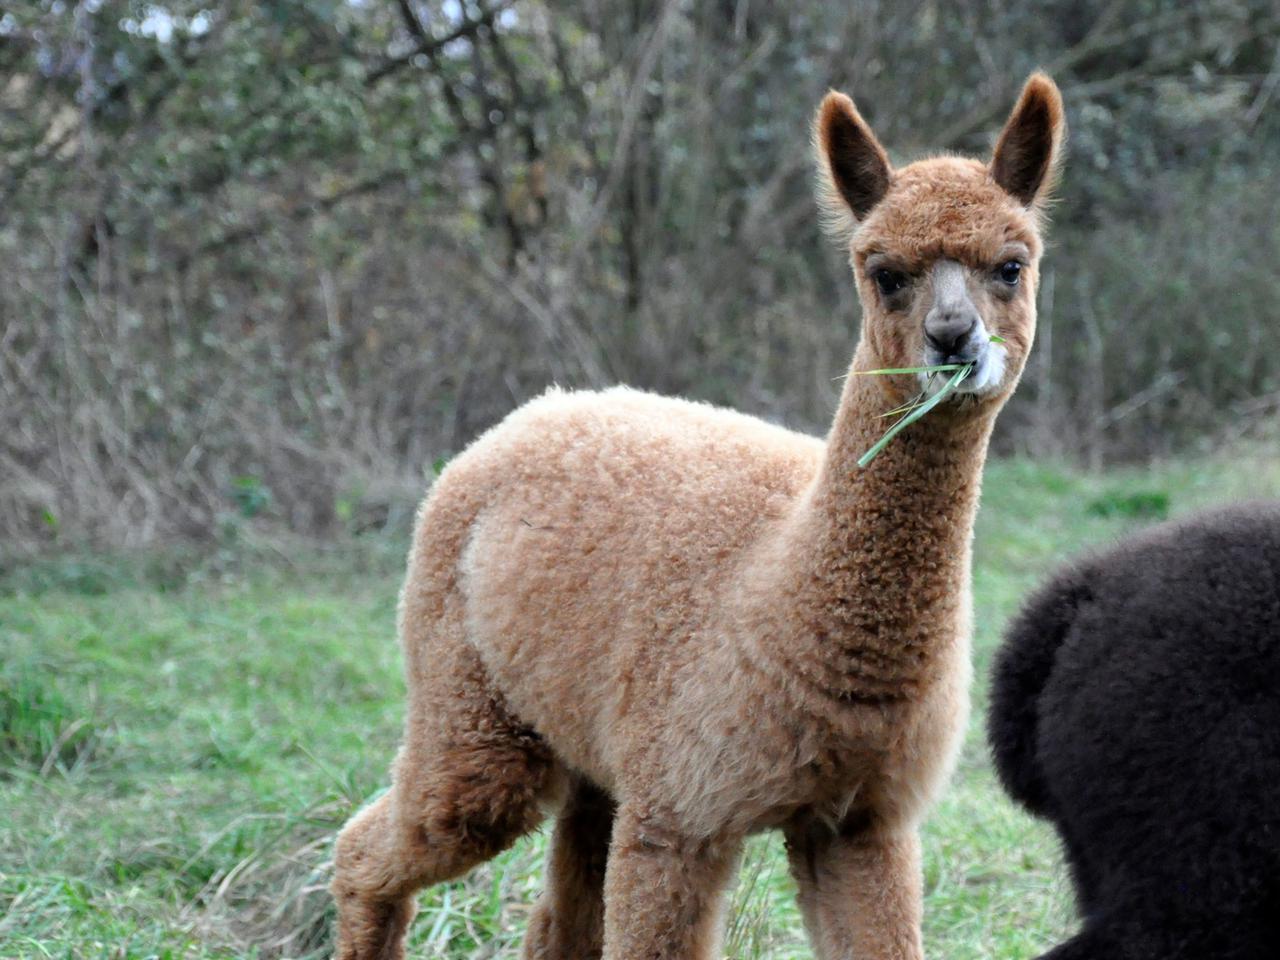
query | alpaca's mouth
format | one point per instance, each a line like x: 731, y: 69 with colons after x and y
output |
x: 986, y: 377
x: 988, y: 372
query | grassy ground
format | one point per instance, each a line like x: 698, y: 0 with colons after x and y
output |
x: 179, y: 739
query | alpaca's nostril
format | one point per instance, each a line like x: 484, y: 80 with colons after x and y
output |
x: 949, y: 332
x: 940, y: 342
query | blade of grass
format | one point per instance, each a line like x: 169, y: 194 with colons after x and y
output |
x: 914, y: 402
x: 916, y: 413
x: 936, y: 368
x: 907, y: 407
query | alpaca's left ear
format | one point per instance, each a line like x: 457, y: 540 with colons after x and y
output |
x: 1025, y: 162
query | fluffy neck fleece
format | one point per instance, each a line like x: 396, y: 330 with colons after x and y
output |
x: 882, y: 553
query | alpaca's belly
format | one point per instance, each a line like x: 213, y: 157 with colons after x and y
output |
x: 764, y: 780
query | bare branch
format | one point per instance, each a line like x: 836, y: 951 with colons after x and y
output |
x: 427, y: 44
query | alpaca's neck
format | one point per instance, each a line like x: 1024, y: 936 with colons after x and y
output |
x: 881, y: 553
x: 918, y: 496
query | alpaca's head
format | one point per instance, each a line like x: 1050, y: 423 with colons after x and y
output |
x: 945, y: 251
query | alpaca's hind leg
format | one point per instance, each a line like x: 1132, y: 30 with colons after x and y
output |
x: 664, y: 890
x: 374, y: 878
x: 568, y: 920
x: 467, y: 783
x: 859, y: 889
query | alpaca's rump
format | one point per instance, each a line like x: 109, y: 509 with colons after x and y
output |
x: 1022, y: 669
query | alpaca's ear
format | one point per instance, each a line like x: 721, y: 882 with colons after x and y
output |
x: 1025, y: 161
x: 853, y: 169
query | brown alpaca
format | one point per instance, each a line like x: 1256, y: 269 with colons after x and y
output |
x: 676, y: 625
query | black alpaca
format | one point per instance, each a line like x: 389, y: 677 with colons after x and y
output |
x: 1136, y: 705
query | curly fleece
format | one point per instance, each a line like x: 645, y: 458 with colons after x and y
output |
x: 1136, y: 706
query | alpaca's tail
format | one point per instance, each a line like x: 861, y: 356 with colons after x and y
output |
x: 1022, y: 669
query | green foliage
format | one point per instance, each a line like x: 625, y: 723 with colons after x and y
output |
x: 1153, y: 504
x: 250, y: 496
x: 39, y: 729
x: 68, y: 574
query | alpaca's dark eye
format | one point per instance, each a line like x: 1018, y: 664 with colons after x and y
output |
x: 1010, y: 272
x: 889, y: 281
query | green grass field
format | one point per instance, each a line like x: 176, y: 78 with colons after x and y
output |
x: 180, y: 738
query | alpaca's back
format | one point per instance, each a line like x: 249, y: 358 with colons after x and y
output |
x: 1137, y: 705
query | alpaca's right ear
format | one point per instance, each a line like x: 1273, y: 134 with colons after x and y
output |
x: 853, y: 169
x: 1027, y: 155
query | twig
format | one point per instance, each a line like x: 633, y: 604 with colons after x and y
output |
x: 428, y: 44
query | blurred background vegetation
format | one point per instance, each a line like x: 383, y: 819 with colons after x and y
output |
x: 275, y: 259
x: 264, y: 266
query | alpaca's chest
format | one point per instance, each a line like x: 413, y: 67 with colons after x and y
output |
x: 757, y: 762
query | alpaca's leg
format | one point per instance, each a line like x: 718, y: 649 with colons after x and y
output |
x: 664, y: 890
x: 373, y: 882
x: 568, y: 920
x: 467, y: 784
x: 804, y: 839
x: 859, y: 889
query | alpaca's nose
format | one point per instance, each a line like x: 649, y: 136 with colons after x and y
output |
x: 953, y: 314
x: 946, y: 331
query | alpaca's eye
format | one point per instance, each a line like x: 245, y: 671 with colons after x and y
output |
x: 889, y: 281
x: 1010, y: 272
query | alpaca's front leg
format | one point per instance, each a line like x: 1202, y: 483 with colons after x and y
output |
x: 664, y: 890
x: 859, y: 888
